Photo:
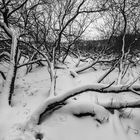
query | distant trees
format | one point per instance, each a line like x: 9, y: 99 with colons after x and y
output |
x: 114, y: 23
x: 121, y: 32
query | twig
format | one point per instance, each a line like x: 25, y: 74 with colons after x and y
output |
x: 3, y: 75
x: 29, y: 63
x: 108, y: 85
x: 134, y: 91
x: 133, y: 82
x: 125, y: 71
x: 108, y: 72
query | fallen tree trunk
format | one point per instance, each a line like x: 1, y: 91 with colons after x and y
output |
x: 53, y: 102
x: 74, y: 72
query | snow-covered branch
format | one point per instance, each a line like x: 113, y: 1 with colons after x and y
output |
x: 53, y: 102
x: 74, y: 72
x: 8, y: 88
x: 3, y: 75
x: 108, y: 72
x: 29, y: 63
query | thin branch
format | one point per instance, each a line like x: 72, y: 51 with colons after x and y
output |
x: 17, y: 8
x: 3, y: 75
x: 29, y: 63
x: 125, y: 70
x: 108, y: 72
x: 94, y: 11
x: 133, y: 82
x: 6, y: 29
x: 108, y: 85
x: 134, y: 91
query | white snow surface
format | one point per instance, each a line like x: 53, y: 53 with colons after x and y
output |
x: 62, y: 124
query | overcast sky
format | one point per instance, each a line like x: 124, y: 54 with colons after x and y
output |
x: 91, y: 32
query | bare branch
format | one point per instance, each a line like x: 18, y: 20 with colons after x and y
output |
x: 3, y: 75
x: 6, y: 29
x: 29, y: 63
x: 17, y: 8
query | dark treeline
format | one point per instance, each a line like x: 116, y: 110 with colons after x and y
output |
x: 113, y: 46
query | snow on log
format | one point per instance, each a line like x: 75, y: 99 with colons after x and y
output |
x: 53, y: 102
x: 87, y: 108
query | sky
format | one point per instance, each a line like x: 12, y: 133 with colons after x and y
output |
x: 92, y: 31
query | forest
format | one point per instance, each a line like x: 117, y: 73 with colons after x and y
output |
x: 69, y: 69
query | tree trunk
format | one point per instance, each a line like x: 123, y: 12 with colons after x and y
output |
x: 123, y: 45
x: 8, y: 88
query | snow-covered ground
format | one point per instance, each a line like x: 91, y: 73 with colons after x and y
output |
x: 64, y: 123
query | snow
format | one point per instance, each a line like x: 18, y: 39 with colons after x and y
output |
x: 67, y: 127
x: 65, y: 124
x: 29, y: 87
x: 62, y: 126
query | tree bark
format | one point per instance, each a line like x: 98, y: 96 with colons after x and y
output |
x: 8, y: 88
x: 123, y: 45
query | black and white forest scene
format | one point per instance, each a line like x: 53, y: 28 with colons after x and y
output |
x: 69, y: 69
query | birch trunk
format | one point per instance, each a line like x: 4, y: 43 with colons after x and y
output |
x: 10, y: 78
